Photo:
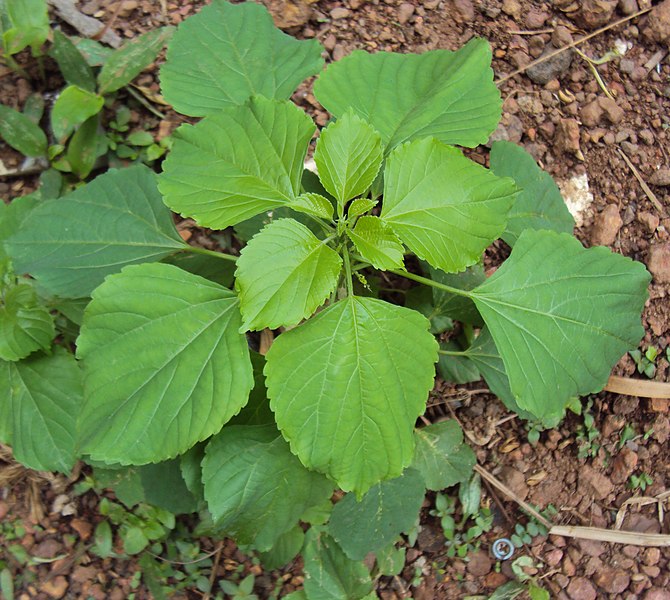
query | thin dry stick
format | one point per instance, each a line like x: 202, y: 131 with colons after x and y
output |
x: 215, y: 566
x: 505, y: 490
x: 643, y: 184
x: 537, y: 61
x: 638, y: 387
x: 632, y: 538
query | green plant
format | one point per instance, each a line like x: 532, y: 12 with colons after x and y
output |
x: 75, y: 121
x: 240, y: 591
x: 587, y: 434
x: 524, y: 533
x: 169, y: 389
x: 640, y: 482
x: 646, y: 363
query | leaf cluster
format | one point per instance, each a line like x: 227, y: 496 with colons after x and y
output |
x: 163, y: 388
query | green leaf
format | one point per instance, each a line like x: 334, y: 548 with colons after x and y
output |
x: 34, y: 108
x: 390, y: 560
x: 126, y: 483
x: 164, y: 364
x: 131, y: 59
x: 441, y: 456
x: 444, y: 207
x: 377, y: 244
x: 347, y: 385
x: 539, y: 205
x: 284, y: 549
x: 458, y: 307
x: 44, y: 397
x: 85, y: 147
x: 72, y: 64
x: 329, y: 573
x: 456, y: 368
x: 218, y: 270
x: 561, y: 316
x: 348, y: 155
x: 103, y: 539
x: 284, y: 274
x: 420, y: 298
x: 134, y: 540
x: 255, y: 488
x: 447, y: 95
x: 74, y: 106
x: 313, y: 204
x: 234, y: 165
x: 165, y: 487
x: 227, y: 53
x: 140, y: 138
x: 70, y: 244
x: 191, y: 469
x: 21, y: 133
x: 25, y: 325
x: 94, y: 52
x: 360, y: 206
x: 30, y: 21
x: 386, y: 510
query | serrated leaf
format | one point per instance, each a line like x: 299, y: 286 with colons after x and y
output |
x: 444, y: 207
x: 191, y: 469
x: 456, y: 367
x: 227, y: 53
x: 241, y: 162
x: 131, y: 59
x: 348, y: 155
x: 360, y: 206
x: 164, y: 364
x: 255, y: 488
x: 539, y: 205
x: 283, y: 275
x: 561, y: 316
x: 284, y: 550
x: 441, y: 456
x: 458, y: 307
x: 165, y: 487
x: 71, y: 62
x: 44, y: 398
x: 25, y: 325
x: 347, y: 385
x: 70, y: 244
x: 376, y: 243
x: 21, y: 133
x: 447, y: 95
x: 313, y: 204
x: 386, y: 510
x: 329, y: 573
x: 74, y: 106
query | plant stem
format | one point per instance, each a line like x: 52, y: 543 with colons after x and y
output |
x: 430, y: 282
x: 347, y: 268
x: 198, y: 250
x: 452, y: 352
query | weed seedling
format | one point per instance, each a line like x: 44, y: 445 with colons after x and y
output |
x: 640, y: 482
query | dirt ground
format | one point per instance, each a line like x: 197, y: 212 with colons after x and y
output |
x: 563, y: 116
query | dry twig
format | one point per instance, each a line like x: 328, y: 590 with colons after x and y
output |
x: 643, y: 184
x: 638, y: 387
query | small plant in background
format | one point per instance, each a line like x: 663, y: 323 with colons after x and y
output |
x: 640, y: 482
x: 587, y: 434
x: 646, y: 363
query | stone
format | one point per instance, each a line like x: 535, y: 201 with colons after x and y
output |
x: 567, y: 137
x: 660, y: 177
x: 595, y: 13
x: 623, y: 466
x: 661, y: 429
x: 514, y: 480
x: 561, y: 36
x: 480, y: 564
x: 330, y: 42
x: 405, y: 12
x: 340, y: 13
x: 287, y: 13
x: 647, y: 136
x: 4, y: 509
x: 606, y: 226
x: 581, y: 588
x: 657, y: 28
x: 512, y: 8
x: 551, y: 68
x: 56, y: 587
x: 535, y: 18
x: 649, y: 220
x: 462, y: 10
x: 49, y: 548
x: 628, y: 7
x: 651, y: 556
x: 83, y: 528
x: 613, y: 581
x: 612, y: 110
x: 658, y: 262
x: 593, y: 483
x: 656, y: 594
x: 591, y: 114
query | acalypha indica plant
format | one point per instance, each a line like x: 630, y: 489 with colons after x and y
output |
x: 163, y: 377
